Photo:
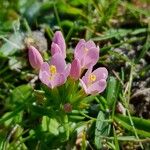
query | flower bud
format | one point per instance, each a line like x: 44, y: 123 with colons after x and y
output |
x: 67, y: 107
x: 75, y: 69
x: 60, y: 41
x: 35, y: 57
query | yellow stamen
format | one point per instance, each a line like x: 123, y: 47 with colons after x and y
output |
x: 53, y: 69
x: 92, y: 77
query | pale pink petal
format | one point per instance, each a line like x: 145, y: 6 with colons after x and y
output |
x: 55, y: 49
x: 91, y: 58
x: 80, y: 52
x: 101, y: 73
x: 85, y: 78
x: 45, y: 78
x: 97, y: 87
x: 67, y: 70
x: 58, y: 61
x: 60, y: 41
x: 79, y: 48
x: 59, y: 79
x: 45, y: 67
x: 75, y: 69
x: 35, y: 57
x: 83, y: 85
x: 81, y: 42
x: 90, y: 44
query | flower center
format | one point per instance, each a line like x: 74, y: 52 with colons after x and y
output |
x: 86, y: 50
x: 92, y: 77
x: 53, y: 69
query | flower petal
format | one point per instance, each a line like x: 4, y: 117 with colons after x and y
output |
x: 45, y: 78
x: 67, y: 70
x: 101, y: 73
x: 97, y: 87
x: 35, y: 57
x: 55, y: 49
x: 45, y: 67
x: 85, y: 78
x: 90, y: 44
x: 59, y: 79
x: 91, y: 58
x: 58, y: 61
x: 60, y: 41
x: 79, y: 49
x: 83, y: 85
x: 81, y: 42
x: 75, y: 69
x: 79, y: 52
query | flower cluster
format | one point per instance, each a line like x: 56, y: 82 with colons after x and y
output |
x: 55, y: 72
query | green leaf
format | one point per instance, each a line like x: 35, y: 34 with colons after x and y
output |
x: 11, y: 114
x: 124, y: 138
x: 21, y: 94
x: 16, y: 119
x: 135, y: 9
x: 7, y: 122
x: 2, y: 139
x: 32, y: 12
x: 102, y: 129
x: 145, y: 48
x: 116, y: 140
x: 142, y: 126
x: 139, y: 123
x: 50, y: 125
x: 112, y: 91
x: 66, y: 8
x: 14, y: 43
x: 67, y: 23
x: 79, y: 2
x: 118, y: 34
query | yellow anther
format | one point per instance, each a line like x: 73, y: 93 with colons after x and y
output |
x: 92, y: 77
x: 53, y: 69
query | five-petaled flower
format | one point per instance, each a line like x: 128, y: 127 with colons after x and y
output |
x: 55, y: 73
x: 87, y: 53
x: 94, y: 82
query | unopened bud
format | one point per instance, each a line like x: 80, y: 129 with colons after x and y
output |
x: 67, y: 107
x: 35, y: 57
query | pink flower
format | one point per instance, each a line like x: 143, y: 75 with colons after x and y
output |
x: 35, y: 57
x: 56, y: 72
x: 58, y: 44
x: 94, y: 82
x: 75, y: 71
x: 87, y: 53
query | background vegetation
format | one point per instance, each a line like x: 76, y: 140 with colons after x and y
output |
x: 122, y: 30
